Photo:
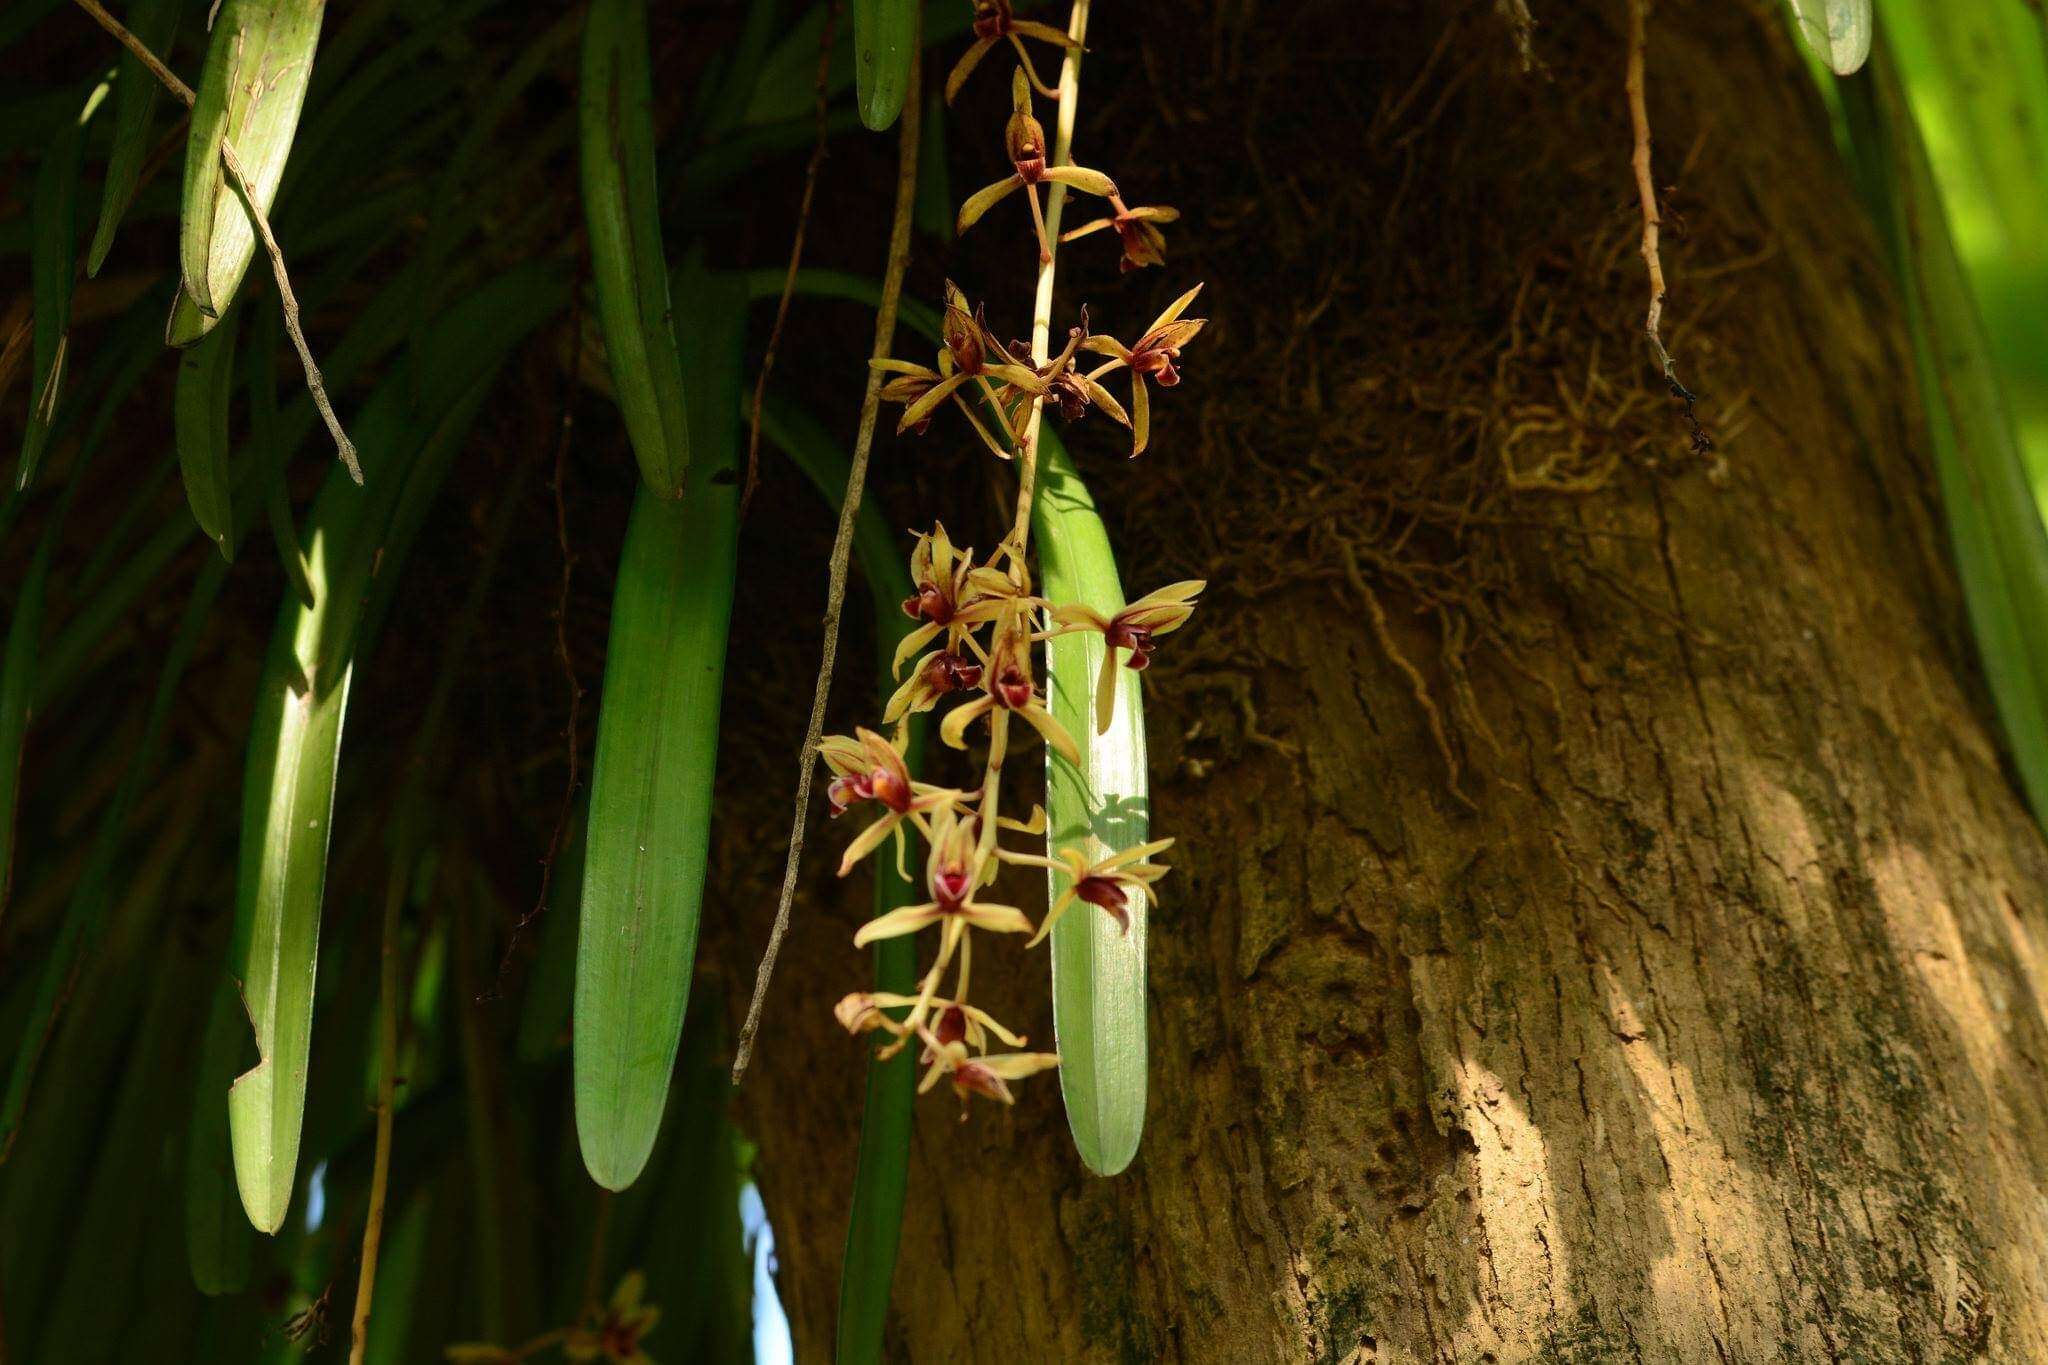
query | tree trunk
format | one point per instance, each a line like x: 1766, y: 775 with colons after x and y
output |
x: 1603, y: 925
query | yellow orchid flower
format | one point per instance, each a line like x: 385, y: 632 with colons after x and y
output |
x: 952, y: 876
x: 1024, y: 142
x: 1135, y: 628
x: 995, y: 23
x: 1154, y: 358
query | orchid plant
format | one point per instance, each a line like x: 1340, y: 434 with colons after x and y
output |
x: 979, y: 622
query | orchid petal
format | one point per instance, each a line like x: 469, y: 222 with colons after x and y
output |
x: 982, y: 200
x: 964, y: 68
x: 1083, y: 179
x: 895, y: 924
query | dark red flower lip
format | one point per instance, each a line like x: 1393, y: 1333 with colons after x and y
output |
x: 1106, y: 894
x: 951, y: 887
x: 1013, y: 690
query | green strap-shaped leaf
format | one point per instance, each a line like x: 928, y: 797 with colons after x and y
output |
x: 199, y: 421
x: 935, y: 206
x: 884, y: 33
x: 287, y: 805
x: 875, y: 1223
x: 39, y: 1198
x: 787, y: 76
x: 650, y: 819
x: 402, y: 1278
x: 24, y: 669
x: 17, y: 688
x: 53, y: 253
x: 155, y: 22
x: 1839, y: 30
x: 623, y: 209
x: 356, y: 546
x: 218, y: 1242
x: 267, y: 442
x: 1099, y: 807
x: 651, y: 781
x: 78, y: 941
x: 379, y: 327
x: 257, y: 64
x: 690, y: 1241
x: 1995, y: 528
x: 105, y: 1254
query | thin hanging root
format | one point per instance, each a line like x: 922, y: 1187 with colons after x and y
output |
x: 289, y: 301
x: 796, y: 256
x: 1646, y: 192
x: 842, y: 550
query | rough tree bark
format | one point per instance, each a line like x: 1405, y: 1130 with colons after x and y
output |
x: 1700, y: 1017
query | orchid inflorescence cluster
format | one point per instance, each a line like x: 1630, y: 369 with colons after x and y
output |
x: 978, y: 622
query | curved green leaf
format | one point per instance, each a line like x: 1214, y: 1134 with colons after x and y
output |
x: 356, y: 545
x: 651, y: 782
x: 884, y: 35
x: 105, y: 1260
x: 199, y: 422
x: 218, y: 1244
x: 1995, y: 529
x: 17, y: 690
x: 257, y: 65
x: 1839, y: 30
x: 267, y: 443
x: 650, y: 819
x: 53, y: 264
x: 623, y: 210
x: 155, y: 22
x: 691, y: 1243
x: 1100, y: 807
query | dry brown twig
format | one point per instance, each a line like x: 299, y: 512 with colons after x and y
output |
x: 1646, y: 192
x: 842, y: 548
x: 344, y: 447
x: 387, y: 1068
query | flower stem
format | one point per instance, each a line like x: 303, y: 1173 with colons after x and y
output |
x: 1041, y: 315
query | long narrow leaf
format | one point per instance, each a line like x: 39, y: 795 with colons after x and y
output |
x: 267, y: 442
x: 17, y: 688
x: 1999, y: 542
x: 692, y: 1247
x: 53, y: 264
x: 651, y: 782
x: 199, y: 421
x: 1099, y: 807
x: 257, y: 65
x: 623, y: 209
x: 155, y: 22
x: 24, y: 665
x: 287, y: 805
x: 104, y: 1262
x: 357, y: 542
x: 1839, y: 30
x: 884, y: 31
x: 218, y: 1241
x: 93, y: 898
x: 55, y: 1152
